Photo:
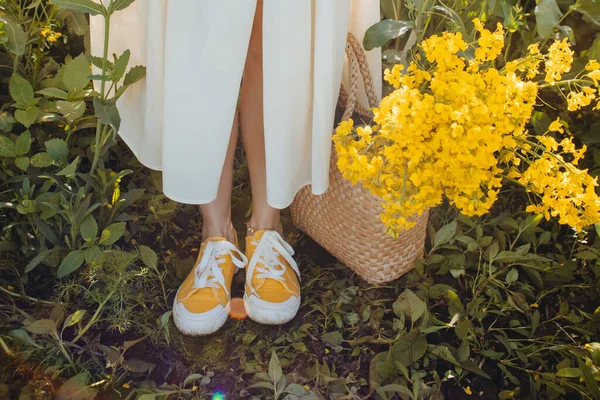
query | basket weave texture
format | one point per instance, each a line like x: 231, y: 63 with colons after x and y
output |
x: 345, y: 220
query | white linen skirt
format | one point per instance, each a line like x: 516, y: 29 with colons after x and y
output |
x: 178, y: 119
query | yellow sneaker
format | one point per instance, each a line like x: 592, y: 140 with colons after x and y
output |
x: 201, y: 305
x: 272, y: 293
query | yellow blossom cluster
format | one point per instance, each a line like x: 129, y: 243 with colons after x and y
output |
x: 457, y: 128
x: 50, y: 35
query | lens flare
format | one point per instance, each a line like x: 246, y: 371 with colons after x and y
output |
x: 218, y: 396
x: 237, y: 309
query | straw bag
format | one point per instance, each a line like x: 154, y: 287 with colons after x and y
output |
x: 346, y: 219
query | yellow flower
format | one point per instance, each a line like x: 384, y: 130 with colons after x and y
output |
x: 556, y: 126
x: 50, y: 35
x: 468, y: 390
x: 560, y: 58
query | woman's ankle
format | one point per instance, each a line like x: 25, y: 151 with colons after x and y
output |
x: 226, y: 231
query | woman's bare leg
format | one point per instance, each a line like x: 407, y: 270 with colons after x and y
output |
x: 251, y: 117
x: 216, y: 216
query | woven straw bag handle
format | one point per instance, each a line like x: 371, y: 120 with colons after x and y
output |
x: 358, y: 67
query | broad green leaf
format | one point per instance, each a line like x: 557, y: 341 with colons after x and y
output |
x: 333, y: 339
x: 15, y: 34
x: 409, y: 349
x: 74, y: 318
x: 548, y: 15
x: 27, y: 117
x: 75, y: 20
x: 76, y: 74
x: 107, y: 113
x: 149, y: 257
x: 118, y: 5
x: 381, y: 370
x: 23, y: 336
x: 20, y: 90
x: 589, y: 8
x: 85, y: 6
x: 191, y: 378
x: 135, y: 74
x: 512, y: 275
x: 7, y: 121
x: 58, y: 150
x: 93, y: 254
x: 275, y: 371
x: 383, y: 31
x: 77, y: 387
x: 569, y: 373
x: 71, y: 110
x: 444, y: 353
x: 396, y: 388
x: 410, y: 305
x: 41, y: 160
x: 7, y: 147
x: 120, y: 66
x: 71, y: 169
x: 42, y: 327
x: 71, y: 263
x: 112, y: 233
x: 23, y: 143
x: 445, y: 234
x: 54, y: 92
x: 89, y: 229
x: 22, y: 163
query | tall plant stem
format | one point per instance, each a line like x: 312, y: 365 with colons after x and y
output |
x: 102, y: 92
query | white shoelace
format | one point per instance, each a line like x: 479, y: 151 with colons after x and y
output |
x: 208, y: 273
x: 270, y: 246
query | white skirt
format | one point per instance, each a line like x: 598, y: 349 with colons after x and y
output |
x: 178, y: 119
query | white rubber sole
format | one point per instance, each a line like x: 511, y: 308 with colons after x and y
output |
x: 193, y: 324
x: 268, y: 313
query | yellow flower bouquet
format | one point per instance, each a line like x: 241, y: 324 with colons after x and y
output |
x: 456, y: 126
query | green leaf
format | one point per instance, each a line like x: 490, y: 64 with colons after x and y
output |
x: 75, y: 20
x: 76, y: 388
x: 410, y: 305
x: 93, y: 254
x: 118, y: 5
x: 58, y: 150
x: 548, y: 15
x: 17, y: 38
x: 275, y: 371
x: 7, y: 147
x: 383, y: 31
x: 569, y: 373
x: 74, y: 318
x: 85, y: 6
x: 512, y: 275
x: 41, y: 160
x: 444, y: 353
x: 589, y: 8
x: 135, y: 74
x: 22, y: 163
x: 120, y: 66
x: 54, y: 92
x: 333, y: 339
x: 7, y: 121
x: 89, y: 229
x: 149, y: 257
x: 76, y: 74
x: 27, y: 117
x: 71, y: 169
x: 23, y: 336
x: 107, y: 112
x: 445, y: 233
x: 71, y: 110
x: 20, y: 90
x: 71, y: 263
x: 409, y: 349
x: 42, y: 327
x: 37, y: 260
x: 23, y: 143
x: 112, y: 233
